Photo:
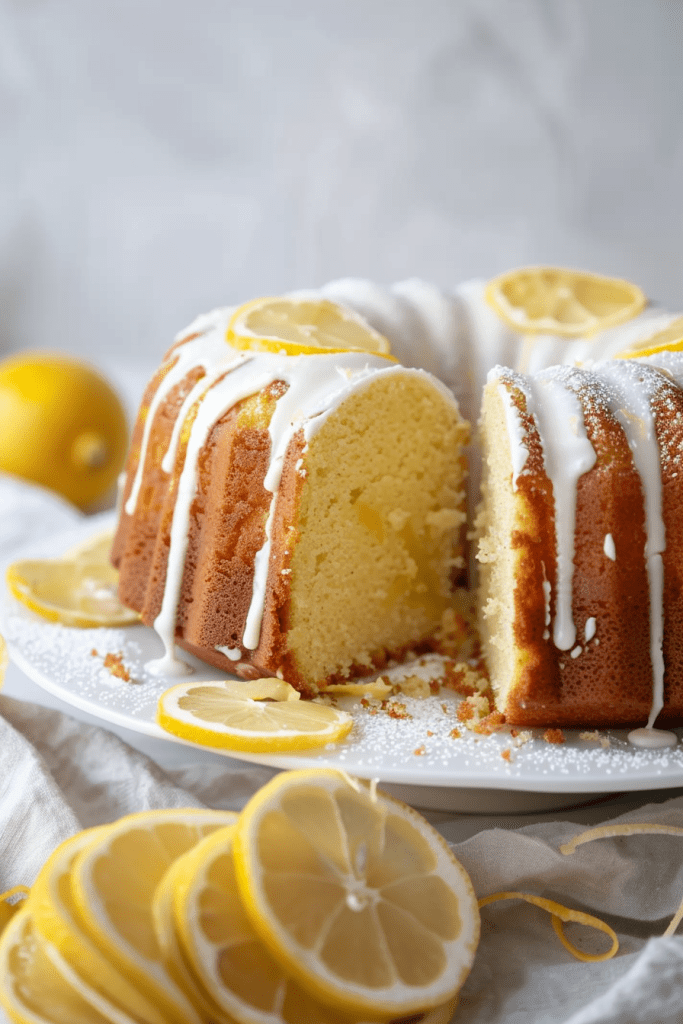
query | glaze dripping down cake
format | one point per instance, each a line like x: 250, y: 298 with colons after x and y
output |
x: 581, y: 592
x: 300, y: 516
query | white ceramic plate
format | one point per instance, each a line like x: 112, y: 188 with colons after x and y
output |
x: 416, y: 753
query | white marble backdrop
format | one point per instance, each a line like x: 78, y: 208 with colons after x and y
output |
x: 160, y: 157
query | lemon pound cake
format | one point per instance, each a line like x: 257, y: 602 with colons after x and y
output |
x: 289, y: 509
x: 581, y: 527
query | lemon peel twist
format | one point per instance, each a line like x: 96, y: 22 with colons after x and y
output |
x: 563, y: 915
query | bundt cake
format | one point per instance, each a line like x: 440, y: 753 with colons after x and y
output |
x: 300, y: 516
x: 303, y: 516
x: 581, y: 583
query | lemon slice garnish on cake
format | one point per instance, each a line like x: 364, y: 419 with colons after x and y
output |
x: 219, y: 714
x: 570, y: 303
x: 356, y: 896
x: 113, y: 879
x: 303, y: 326
x: 74, y: 591
x: 668, y: 340
x: 39, y: 987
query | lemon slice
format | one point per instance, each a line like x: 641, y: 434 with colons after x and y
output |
x: 571, y: 303
x: 56, y: 919
x: 219, y: 947
x: 668, y: 340
x: 214, y: 714
x: 355, y: 894
x: 303, y: 326
x: 74, y: 591
x: 176, y: 961
x: 113, y: 880
x: 38, y: 987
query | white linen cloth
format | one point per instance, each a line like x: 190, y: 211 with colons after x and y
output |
x: 59, y: 774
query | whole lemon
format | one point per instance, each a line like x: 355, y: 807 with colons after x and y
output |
x: 61, y: 425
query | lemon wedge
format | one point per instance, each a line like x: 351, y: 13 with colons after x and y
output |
x: 218, y: 714
x: 303, y: 326
x: 113, y: 879
x: 38, y: 987
x: 356, y: 896
x: 56, y: 920
x: 668, y: 340
x: 76, y: 592
x: 570, y: 303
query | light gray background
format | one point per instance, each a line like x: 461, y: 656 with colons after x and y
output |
x: 160, y: 158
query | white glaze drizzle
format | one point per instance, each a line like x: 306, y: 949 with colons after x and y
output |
x: 567, y: 455
x: 590, y: 629
x: 652, y: 739
x: 234, y: 653
x: 518, y: 450
x: 609, y: 548
x: 201, y: 352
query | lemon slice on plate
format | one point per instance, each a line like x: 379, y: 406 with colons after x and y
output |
x: 303, y: 326
x: 38, y: 987
x: 113, y: 880
x: 218, y: 714
x: 74, y: 591
x: 56, y: 920
x: 668, y: 340
x: 355, y: 894
x: 571, y: 303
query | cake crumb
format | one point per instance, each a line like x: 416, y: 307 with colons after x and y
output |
x: 506, y: 754
x: 415, y: 686
x: 455, y: 734
x: 420, y: 751
x: 596, y: 737
x: 520, y: 738
x: 495, y: 722
x: 395, y: 709
x: 553, y: 736
x: 473, y: 709
x: 113, y: 662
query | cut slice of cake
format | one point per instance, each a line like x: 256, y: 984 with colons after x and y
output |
x: 291, y: 515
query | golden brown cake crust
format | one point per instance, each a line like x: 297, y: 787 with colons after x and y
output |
x: 608, y: 680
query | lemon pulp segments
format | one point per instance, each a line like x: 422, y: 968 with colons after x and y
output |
x: 298, y: 325
x: 114, y: 878
x: 358, y: 898
x: 209, y: 714
x: 553, y: 300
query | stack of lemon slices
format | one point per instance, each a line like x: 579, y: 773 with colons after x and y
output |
x: 323, y: 902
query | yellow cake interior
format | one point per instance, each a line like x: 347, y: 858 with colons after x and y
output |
x: 383, y: 503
